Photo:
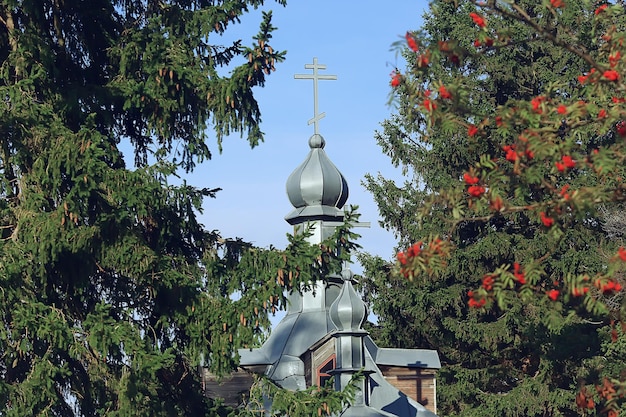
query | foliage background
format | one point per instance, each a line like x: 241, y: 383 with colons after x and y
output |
x: 524, y: 354
x: 112, y: 291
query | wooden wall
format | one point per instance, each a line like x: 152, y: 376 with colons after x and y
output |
x: 416, y: 383
x: 231, y: 388
x: 317, y: 356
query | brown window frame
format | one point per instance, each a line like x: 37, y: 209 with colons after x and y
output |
x: 321, y: 374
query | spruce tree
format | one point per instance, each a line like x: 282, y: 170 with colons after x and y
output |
x: 111, y: 292
x: 509, y: 355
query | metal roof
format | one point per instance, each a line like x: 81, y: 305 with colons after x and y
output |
x: 303, y: 328
x: 411, y: 358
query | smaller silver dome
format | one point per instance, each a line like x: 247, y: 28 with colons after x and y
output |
x: 316, y: 188
x: 348, y: 312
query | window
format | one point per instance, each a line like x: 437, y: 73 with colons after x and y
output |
x: 323, y: 371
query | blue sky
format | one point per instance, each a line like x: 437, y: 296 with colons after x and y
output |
x: 353, y: 39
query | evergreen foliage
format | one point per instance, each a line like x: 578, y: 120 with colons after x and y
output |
x: 525, y: 354
x: 112, y: 293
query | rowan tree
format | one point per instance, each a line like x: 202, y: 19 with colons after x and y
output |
x: 112, y: 293
x: 509, y: 130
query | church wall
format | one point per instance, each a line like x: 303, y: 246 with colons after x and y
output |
x: 418, y: 384
x: 232, y: 388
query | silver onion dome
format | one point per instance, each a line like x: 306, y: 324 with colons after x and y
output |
x: 316, y: 189
x: 348, y: 312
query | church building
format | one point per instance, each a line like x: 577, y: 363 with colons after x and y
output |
x: 322, y: 334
